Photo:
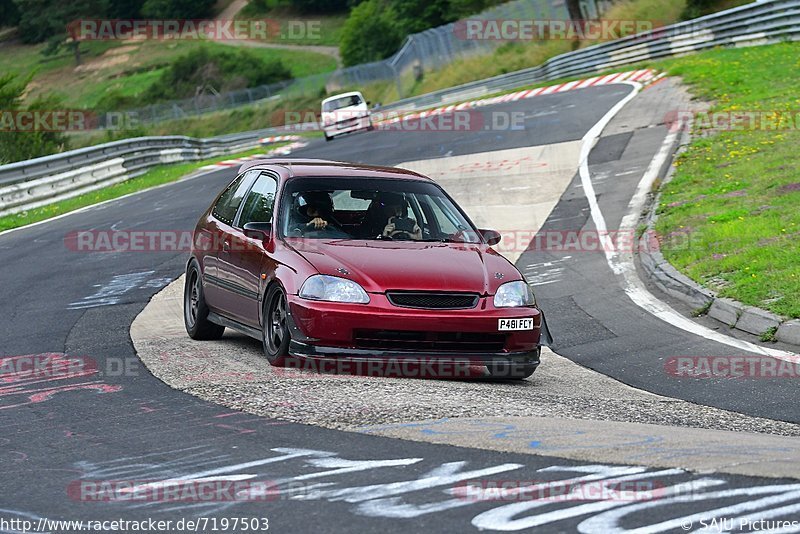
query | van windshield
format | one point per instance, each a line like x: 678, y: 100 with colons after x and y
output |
x: 343, y: 102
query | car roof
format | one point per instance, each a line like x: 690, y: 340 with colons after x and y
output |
x: 342, y: 95
x: 303, y: 167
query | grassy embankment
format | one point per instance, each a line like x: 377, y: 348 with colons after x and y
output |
x: 736, y: 193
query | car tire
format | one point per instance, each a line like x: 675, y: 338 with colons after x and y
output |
x: 195, y: 309
x: 512, y: 371
x: 275, y: 334
x: 328, y: 137
x: 370, y: 127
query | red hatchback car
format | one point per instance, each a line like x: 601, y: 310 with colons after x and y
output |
x: 329, y: 260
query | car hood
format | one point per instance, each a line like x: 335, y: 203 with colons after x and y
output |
x: 406, y: 265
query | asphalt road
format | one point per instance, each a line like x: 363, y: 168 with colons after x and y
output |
x: 122, y: 424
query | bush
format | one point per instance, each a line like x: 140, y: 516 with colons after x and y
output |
x: 9, y: 14
x: 205, y: 71
x: 178, y: 9
x: 370, y: 33
x: 18, y: 146
x: 698, y: 8
x: 42, y: 20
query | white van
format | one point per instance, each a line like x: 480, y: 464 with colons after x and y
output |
x: 347, y: 112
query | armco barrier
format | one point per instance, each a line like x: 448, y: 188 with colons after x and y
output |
x: 37, y: 182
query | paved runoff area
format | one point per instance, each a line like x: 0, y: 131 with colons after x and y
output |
x: 563, y: 410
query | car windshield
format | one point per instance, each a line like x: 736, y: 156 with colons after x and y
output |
x: 343, y: 102
x: 372, y: 209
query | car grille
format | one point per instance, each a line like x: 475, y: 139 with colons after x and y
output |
x: 432, y: 300
x: 404, y: 340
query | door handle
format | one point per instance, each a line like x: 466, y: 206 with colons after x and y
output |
x: 226, y: 247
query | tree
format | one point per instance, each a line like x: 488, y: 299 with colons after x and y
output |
x: 177, y: 9
x: 370, y: 33
x: 418, y: 15
x: 48, y: 20
x: 9, y: 14
x: 318, y: 6
x: 125, y: 9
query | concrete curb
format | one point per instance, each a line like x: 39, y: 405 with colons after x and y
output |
x: 705, y: 302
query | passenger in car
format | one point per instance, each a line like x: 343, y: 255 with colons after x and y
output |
x: 314, y: 211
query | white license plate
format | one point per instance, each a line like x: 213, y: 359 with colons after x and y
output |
x: 525, y: 323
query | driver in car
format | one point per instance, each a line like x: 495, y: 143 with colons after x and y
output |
x: 399, y: 225
x: 316, y: 213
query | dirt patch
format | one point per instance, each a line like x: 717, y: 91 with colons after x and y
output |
x: 789, y: 188
x: 737, y: 193
x: 103, y: 62
x: 121, y: 50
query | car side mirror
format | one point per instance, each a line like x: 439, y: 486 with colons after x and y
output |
x: 369, y: 103
x: 258, y: 230
x: 492, y: 237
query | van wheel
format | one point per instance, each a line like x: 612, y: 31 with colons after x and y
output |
x: 328, y: 137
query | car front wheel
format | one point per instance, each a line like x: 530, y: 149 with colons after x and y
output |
x: 195, y: 309
x: 275, y: 328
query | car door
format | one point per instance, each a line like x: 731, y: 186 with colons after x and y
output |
x: 245, y: 264
x: 221, y: 230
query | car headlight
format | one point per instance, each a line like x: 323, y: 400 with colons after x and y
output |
x: 513, y: 295
x: 333, y: 289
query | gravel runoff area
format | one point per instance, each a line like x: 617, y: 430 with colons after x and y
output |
x: 234, y: 373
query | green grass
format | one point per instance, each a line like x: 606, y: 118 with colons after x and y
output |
x: 736, y: 194
x: 323, y: 30
x: 161, y: 174
x: 111, y: 67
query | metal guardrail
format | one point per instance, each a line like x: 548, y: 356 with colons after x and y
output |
x: 30, y: 184
x: 37, y: 182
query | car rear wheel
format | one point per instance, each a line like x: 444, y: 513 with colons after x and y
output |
x: 195, y: 309
x: 275, y: 328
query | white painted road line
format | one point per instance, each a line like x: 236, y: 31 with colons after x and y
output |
x: 621, y: 263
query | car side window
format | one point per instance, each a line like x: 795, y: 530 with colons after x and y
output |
x: 228, y: 204
x: 260, y: 202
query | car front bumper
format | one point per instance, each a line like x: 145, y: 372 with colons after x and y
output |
x: 347, y: 126
x: 325, y: 330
